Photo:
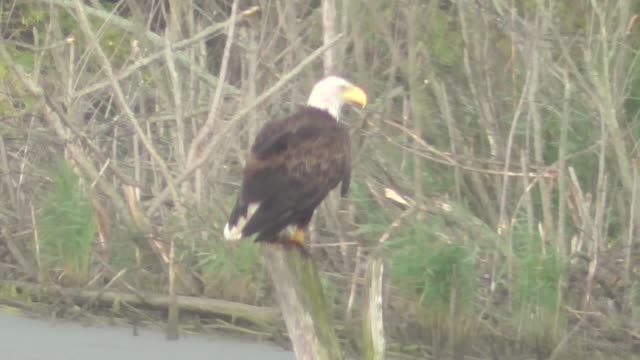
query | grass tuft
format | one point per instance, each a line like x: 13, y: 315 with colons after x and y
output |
x: 230, y: 271
x: 438, y: 272
x: 536, y: 293
x: 66, y: 225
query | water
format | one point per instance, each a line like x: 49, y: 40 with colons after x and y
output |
x: 23, y: 338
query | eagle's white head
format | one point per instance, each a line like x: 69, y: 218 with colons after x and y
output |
x: 332, y: 92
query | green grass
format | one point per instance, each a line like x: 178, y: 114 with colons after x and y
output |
x: 536, y: 296
x: 232, y: 271
x: 66, y: 225
x: 239, y: 259
x: 635, y: 301
x: 437, y: 273
x: 429, y: 265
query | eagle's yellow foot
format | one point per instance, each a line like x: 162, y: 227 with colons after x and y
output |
x: 298, y: 236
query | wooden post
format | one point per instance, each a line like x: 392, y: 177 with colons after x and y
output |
x: 302, y: 303
x: 373, y: 339
x: 374, y: 344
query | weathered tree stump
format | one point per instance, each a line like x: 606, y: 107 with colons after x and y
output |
x: 373, y: 341
x: 302, y: 303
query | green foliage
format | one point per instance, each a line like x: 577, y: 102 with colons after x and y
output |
x: 13, y: 104
x: 537, y: 282
x: 24, y: 59
x: 632, y: 102
x: 373, y: 221
x: 239, y: 260
x: 232, y: 271
x: 537, y: 276
x: 431, y: 270
x: 4, y: 70
x: 66, y: 225
x: 32, y: 15
x: 331, y: 293
x: 366, y: 25
x: 634, y: 299
x: 444, y: 40
x: 116, y: 306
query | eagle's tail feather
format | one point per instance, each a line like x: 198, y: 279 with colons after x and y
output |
x: 234, y: 229
x: 267, y: 221
x: 267, y: 218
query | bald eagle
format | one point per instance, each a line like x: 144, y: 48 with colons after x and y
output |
x: 294, y: 163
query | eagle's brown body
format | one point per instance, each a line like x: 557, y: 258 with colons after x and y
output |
x: 294, y: 163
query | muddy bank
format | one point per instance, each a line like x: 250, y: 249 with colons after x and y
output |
x: 23, y: 338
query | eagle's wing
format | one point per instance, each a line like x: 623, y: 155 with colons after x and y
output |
x: 294, y: 163
x: 346, y: 175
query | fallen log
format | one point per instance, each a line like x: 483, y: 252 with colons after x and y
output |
x: 255, y: 314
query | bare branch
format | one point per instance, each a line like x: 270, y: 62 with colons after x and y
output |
x: 233, y: 122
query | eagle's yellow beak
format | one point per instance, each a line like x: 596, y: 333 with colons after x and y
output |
x: 355, y: 95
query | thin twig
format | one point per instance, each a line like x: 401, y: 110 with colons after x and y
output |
x: 632, y: 225
x: 36, y: 240
x: 204, y: 133
x: 83, y: 21
x: 176, y: 91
